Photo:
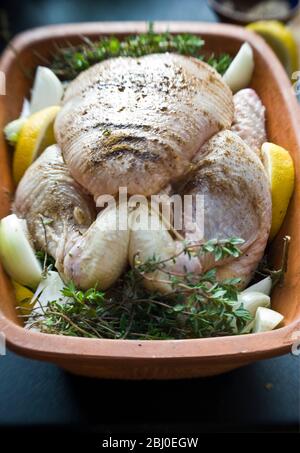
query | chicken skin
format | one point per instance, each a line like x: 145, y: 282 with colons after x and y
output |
x: 138, y: 122
x: 153, y: 124
x: 61, y: 220
x: 249, y: 119
x: 237, y: 203
x: 52, y: 202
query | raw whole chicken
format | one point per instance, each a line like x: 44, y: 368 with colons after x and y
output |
x: 151, y: 124
x: 249, y: 119
x: 138, y: 122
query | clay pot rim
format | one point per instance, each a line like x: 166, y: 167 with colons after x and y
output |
x: 41, y: 345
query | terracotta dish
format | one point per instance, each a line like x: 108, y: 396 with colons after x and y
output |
x: 164, y: 359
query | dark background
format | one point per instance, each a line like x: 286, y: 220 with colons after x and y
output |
x: 38, y: 396
x: 31, y: 13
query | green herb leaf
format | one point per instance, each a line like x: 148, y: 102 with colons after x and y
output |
x: 69, y: 61
x: 199, y: 306
x: 221, y: 63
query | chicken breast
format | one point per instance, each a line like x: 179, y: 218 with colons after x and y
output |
x: 138, y: 122
x: 237, y: 202
x: 52, y: 202
x: 249, y: 119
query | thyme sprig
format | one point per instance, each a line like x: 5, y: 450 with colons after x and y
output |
x: 219, y: 63
x: 198, y: 306
x: 223, y: 248
x: 218, y: 248
x: 70, y: 60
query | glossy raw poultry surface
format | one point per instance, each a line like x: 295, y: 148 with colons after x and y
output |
x: 52, y: 202
x: 237, y: 201
x: 249, y: 119
x: 61, y: 219
x: 138, y: 122
x: 148, y: 124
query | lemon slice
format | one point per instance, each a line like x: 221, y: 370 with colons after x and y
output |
x: 35, y: 135
x: 23, y: 298
x: 280, y: 169
x: 282, y: 41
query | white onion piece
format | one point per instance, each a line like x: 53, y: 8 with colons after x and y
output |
x: 239, y: 73
x: 47, y: 90
x: 49, y: 289
x: 264, y: 286
x: 266, y: 319
x: 17, y: 255
x: 253, y: 300
x: 25, y: 112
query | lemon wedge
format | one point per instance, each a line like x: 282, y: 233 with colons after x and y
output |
x: 35, y: 135
x: 23, y: 298
x: 282, y: 41
x: 280, y: 169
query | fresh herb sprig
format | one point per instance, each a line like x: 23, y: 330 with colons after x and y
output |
x: 219, y: 248
x: 69, y: 61
x: 219, y: 63
x: 196, y: 307
x: 223, y: 248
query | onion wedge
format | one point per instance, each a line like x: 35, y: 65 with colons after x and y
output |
x: 17, y: 255
x: 47, y: 90
x: 239, y: 73
x: 266, y: 319
x: 263, y: 286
